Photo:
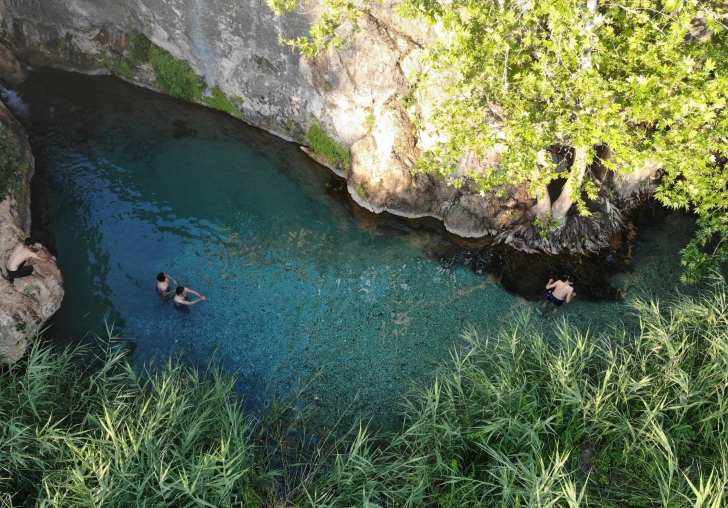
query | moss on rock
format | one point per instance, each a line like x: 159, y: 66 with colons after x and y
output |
x: 11, y: 166
x: 220, y: 101
x: 175, y: 77
x: 323, y: 144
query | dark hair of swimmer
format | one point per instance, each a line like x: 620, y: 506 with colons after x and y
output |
x: 29, y: 241
x: 570, y: 278
x: 161, y: 277
x: 179, y: 290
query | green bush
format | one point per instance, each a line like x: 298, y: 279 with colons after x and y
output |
x: 545, y: 223
x: 122, y: 68
x: 175, y: 77
x: 140, y: 46
x: 221, y: 101
x: 11, y: 170
x: 281, y: 6
x: 322, y: 144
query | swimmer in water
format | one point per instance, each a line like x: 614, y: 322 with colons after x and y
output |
x: 562, y: 291
x: 180, y: 299
x: 163, y: 289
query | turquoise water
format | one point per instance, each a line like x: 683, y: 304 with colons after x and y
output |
x: 299, y: 290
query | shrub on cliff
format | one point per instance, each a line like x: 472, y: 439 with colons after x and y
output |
x: 219, y: 100
x: 175, y: 77
x: 11, y: 169
x: 323, y: 144
x: 140, y: 46
x: 647, y: 79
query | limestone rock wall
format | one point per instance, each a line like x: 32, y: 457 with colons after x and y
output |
x: 361, y: 95
x: 355, y: 93
x: 26, y: 304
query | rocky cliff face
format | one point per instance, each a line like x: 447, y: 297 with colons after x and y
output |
x: 28, y: 302
x: 361, y: 96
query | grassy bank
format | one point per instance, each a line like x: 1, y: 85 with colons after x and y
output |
x: 79, y: 430
x: 604, y: 418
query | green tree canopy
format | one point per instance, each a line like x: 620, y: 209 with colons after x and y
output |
x: 647, y: 78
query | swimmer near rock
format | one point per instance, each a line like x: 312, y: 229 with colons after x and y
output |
x: 561, y: 291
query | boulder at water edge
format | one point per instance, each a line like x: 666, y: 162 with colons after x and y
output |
x: 27, y: 303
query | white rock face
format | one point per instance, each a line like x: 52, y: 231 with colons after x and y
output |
x: 355, y: 93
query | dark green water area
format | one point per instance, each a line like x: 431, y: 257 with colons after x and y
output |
x: 300, y: 289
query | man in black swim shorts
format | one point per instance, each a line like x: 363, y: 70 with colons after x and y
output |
x: 562, y: 291
x: 18, y: 264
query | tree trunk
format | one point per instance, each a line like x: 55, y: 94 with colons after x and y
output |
x: 565, y: 200
x: 543, y: 205
x: 629, y: 184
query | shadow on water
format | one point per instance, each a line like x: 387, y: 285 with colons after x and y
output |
x: 301, y: 283
x: 595, y: 274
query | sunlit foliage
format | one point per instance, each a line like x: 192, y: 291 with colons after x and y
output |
x: 647, y: 78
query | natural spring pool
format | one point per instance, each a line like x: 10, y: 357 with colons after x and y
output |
x: 299, y: 290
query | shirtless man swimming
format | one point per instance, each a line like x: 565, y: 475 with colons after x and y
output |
x: 163, y: 285
x: 180, y: 299
x: 562, y: 291
x: 18, y: 264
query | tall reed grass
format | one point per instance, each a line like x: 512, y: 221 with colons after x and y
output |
x: 104, y: 435
x: 605, y: 418
x: 78, y: 430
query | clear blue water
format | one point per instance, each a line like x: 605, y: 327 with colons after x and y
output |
x: 299, y: 290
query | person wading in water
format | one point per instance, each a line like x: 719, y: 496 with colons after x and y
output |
x: 163, y: 289
x: 180, y: 299
x: 561, y: 291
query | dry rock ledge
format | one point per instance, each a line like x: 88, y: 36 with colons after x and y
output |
x: 27, y: 303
